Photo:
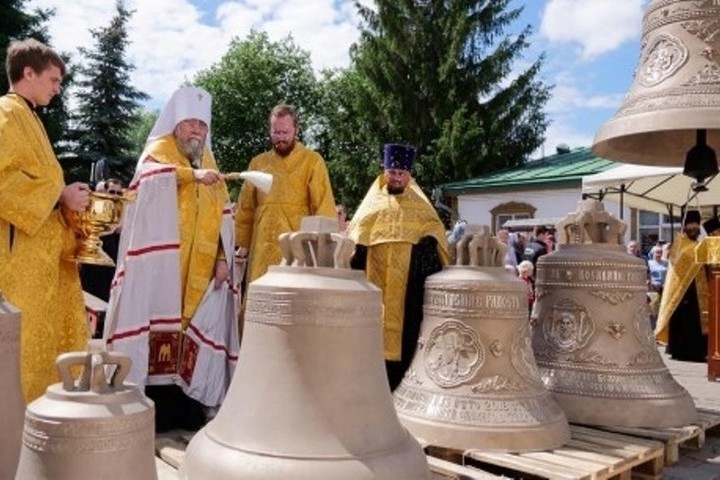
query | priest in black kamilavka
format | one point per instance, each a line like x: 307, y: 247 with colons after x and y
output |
x: 400, y: 242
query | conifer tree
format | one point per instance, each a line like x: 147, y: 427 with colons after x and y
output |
x: 108, y: 104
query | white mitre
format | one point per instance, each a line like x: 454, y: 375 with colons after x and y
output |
x: 186, y: 103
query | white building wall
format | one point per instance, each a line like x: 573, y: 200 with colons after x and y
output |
x: 475, y: 208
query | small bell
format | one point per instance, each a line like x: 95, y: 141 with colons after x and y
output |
x: 89, y: 428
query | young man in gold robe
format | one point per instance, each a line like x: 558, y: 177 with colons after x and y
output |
x: 34, y: 238
x: 301, y: 187
x: 400, y: 242
x: 682, y: 318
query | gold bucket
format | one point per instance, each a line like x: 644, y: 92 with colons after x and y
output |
x: 310, y: 397
x: 473, y: 382
x: 592, y: 337
x: 101, y: 217
x: 90, y: 428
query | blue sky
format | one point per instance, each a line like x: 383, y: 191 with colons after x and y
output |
x: 590, y: 46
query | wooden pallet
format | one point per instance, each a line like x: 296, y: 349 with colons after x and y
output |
x: 446, y: 470
x: 690, y: 436
x: 589, y: 455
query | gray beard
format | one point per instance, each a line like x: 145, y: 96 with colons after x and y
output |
x: 193, y: 150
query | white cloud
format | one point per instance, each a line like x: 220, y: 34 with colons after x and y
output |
x: 596, y: 26
x: 563, y: 130
x: 171, y: 41
x: 568, y: 97
x: 323, y: 27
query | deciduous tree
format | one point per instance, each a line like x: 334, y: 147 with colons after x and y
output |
x: 251, y: 78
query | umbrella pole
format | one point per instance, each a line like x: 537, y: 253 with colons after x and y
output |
x: 671, y: 210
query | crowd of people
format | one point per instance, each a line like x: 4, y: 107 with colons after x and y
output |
x: 173, y: 300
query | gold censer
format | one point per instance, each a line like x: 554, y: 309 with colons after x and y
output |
x: 102, y: 216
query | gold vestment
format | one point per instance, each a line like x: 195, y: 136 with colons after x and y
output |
x: 389, y: 226
x: 682, y: 270
x: 32, y: 275
x: 301, y: 187
x: 200, y: 215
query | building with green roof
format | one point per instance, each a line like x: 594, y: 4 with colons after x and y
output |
x: 539, y: 192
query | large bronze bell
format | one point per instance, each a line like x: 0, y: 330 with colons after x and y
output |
x: 89, y: 428
x: 676, y: 88
x: 473, y: 383
x: 592, y: 337
x: 310, y: 397
x: 12, y: 407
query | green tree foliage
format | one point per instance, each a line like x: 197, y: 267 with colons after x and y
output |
x: 16, y: 23
x: 108, y: 104
x: 251, y: 78
x: 139, y: 130
x: 439, y: 75
x: 350, y: 147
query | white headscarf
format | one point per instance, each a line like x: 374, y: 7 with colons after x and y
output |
x: 186, y: 103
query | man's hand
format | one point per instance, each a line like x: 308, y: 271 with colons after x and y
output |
x: 207, y: 177
x: 75, y: 196
x: 241, y: 252
x: 222, y: 273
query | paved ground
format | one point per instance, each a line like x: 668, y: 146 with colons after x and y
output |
x: 702, y: 464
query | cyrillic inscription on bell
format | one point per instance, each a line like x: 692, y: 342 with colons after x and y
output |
x: 592, y: 337
x: 473, y: 383
x: 12, y: 407
x: 92, y: 427
x: 310, y: 397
